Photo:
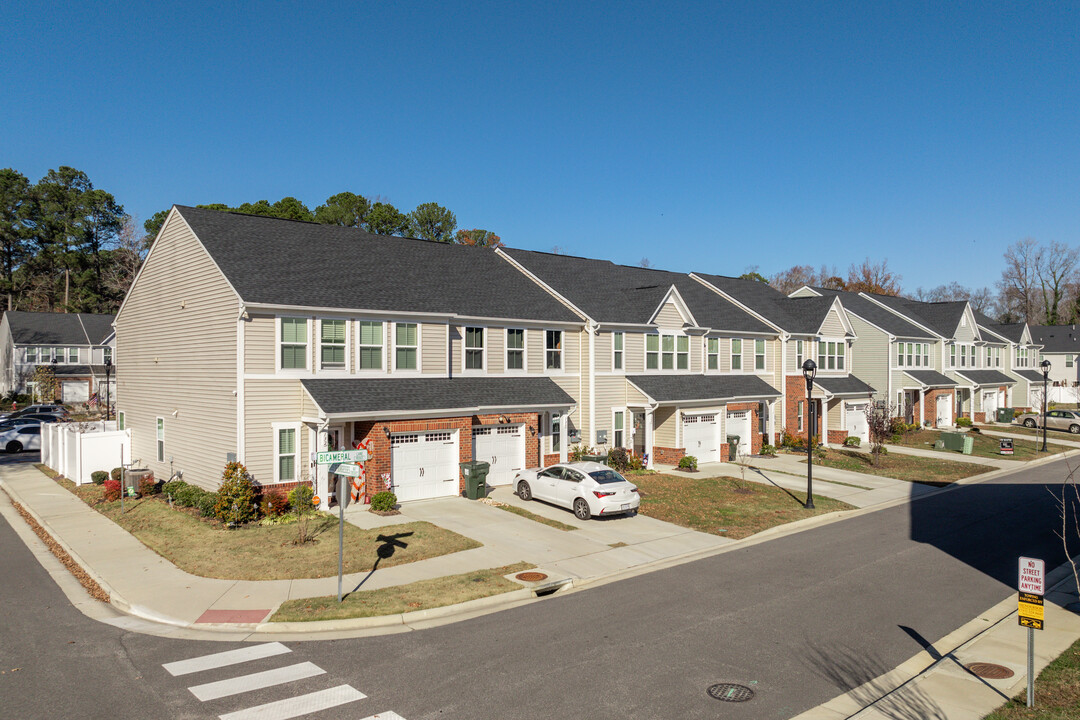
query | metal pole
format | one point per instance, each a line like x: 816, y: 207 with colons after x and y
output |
x: 1045, y: 375
x: 1031, y: 668
x: 341, y: 484
x: 811, y: 426
x: 123, y: 484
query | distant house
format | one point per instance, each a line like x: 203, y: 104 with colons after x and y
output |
x: 1061, y: 346
x: 75, y: 345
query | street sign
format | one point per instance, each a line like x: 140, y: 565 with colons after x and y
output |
x: 352, y: 471
x: 1006, y: 446
x: 340, y: 456
x: 1031, y: 610
x: 1032, y: 576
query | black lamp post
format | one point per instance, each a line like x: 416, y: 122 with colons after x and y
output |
x: 108, y: 399
x: 1045, y: 365
x: 809, y: 370
x: 54, y: 364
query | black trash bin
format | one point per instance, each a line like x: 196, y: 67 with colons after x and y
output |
x: 475, y: 473
x: 733, y: 447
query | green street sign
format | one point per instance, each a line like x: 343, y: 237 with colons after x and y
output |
x: 346, y: 470
x: 340, y: 456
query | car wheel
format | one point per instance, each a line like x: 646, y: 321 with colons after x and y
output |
x: 1029, y: 423
x: 14, y: 446
x: 1074, y: 429
x: 581, y: 509
x: 524, y: 491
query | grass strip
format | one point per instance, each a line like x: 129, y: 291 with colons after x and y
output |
x: 522, y: 512
x: 909, y: 468
x: 419, y: 595
x: 985, y: 446
x: 1057, y: 692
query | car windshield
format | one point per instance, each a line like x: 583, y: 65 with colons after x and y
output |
x: 606, y: 476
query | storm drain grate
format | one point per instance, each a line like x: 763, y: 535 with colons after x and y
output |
x: 730, y: 692
x: 531, y: 576
x: 990, y: 671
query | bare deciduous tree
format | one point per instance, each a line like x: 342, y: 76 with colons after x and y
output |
x: 873, y: 278
x: 790, y: 280
x: 1057, y: 267
x: 1019, y: 280
x: 879, y: 421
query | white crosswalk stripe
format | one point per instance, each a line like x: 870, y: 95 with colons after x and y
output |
x: 255, y: 681
x: 224, y: 659
x: 385, y: 716
x: 297, y: 706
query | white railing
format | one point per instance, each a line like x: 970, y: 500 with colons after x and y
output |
x: 75, y: 450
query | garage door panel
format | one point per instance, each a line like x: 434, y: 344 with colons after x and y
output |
x: 739, y: 423
x: 424, y: 465
x: 856, y: 421
x: 701, y: 437
x: 75, y: 391
x: 503, y: 447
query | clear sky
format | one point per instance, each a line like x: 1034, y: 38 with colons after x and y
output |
x: 704, y: 136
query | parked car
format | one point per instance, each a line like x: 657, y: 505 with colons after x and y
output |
x: 42, y: 417
x: 1055, y: 420
x: 25, y: 437
x: 32, y: 409
x: 587, y: 488
x: 6, y: 425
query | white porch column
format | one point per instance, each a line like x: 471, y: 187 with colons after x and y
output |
x: 824, y: 439
x: 922, y: 408
x: 322, y: 477
x: 648, y: 430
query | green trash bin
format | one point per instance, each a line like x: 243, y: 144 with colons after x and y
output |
x: 594, y: 458
x: 969, y: 444
x: 475, y: 473
x: 732, y: 447
x: 1004, y: 415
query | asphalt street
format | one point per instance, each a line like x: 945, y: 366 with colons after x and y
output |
x: 799, y: 619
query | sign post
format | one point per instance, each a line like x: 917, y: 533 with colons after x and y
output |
x: 1032, y: 585
x: 342, y: 501
x: 1006, y: 446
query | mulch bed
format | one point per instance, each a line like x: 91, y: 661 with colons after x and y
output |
x: 92, y: 588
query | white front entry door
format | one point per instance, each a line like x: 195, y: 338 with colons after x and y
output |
x: 738, y: 423
x: 944, y: 411
x: 424, y: 464
x: 856, y: 421
x: 990, y: 404
x: 700, y: 437
x: 503, y: 446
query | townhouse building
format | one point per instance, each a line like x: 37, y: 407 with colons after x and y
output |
x: 1060, y: 344
x: 263, y: 340
x: 1019, y: 356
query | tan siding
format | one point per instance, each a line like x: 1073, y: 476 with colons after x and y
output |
x: 176, y: 353
x: 602, y: 347
x: 265, y: 402
x: 870, y: 356
x: 965, y: 333
x: 534, y: 347
x: 664, y: 420
x: 495, y: 341
x: 697, y: 353
x: 834, y: 415
x: 259, y: 350
x: 833, y: 327
x: 635, y: 352
x: 433, y: 348
x: 456, y: 341
x: 669, y: 317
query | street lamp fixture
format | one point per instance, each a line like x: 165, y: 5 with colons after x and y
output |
x: 1045, y: 365
x: 108, y: 398
x: 809, y: 371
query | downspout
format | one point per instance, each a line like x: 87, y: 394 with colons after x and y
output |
x: 888, y: 371
x: 241, y: 428
x: 592, y: 327
x: 783, y: 382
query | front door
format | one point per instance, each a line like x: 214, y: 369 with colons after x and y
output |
x: 909, y: 406
x: 944, y: 411
x: 335, y: 436
x: 639, y: 433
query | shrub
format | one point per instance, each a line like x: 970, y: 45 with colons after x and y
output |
x: 579, y: 451
x: 115, y: 474
x: 688, y: 462
x: 634, y: 463
x: 819, y: 452
x: 618, y: 459
x: 187, y: 495
x: 112, y: 490
x: 852, y: 441
x: 207, y: 503
x: 300, y: 498
x: 383, y: 501
x: 963, y: 422
x: 148, y: 485
x: 99, y: 477
x: 236, y: 496
x: 172, y: 487
x: 273, y: 503
x: 768, y: 450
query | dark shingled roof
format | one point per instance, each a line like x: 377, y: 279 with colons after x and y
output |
x: 60, y: 370
x: 1056, y: 338
x: 986, y: 377
x: 1010, y: 331
x: 802, y: 315
x: 874, y: 314
x: 612, y: 293
x: 686, y: 388
x: 930, y: 378
x: 843, y: 385
x: 1030, y: 375
x: 46, y: 328
x: 287, y: 262
x: 468, y: 394
x: 941, y: 317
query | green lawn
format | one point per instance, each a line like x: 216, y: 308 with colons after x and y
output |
x: 1051, y: 434
x: 724, y: 505
x: 986, y: 446
x: 1057, y: 692
x: 910, y: 468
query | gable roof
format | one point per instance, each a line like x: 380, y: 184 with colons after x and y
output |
x: 876, y: 315
x: 985, y: 377
x: 1013, y: 332
x: 941, y: 317
x: 666, y: 389
x: 846, y: 385
x: 610, y: 293
x: 1056, y: 338
x: 803, y: 315
x: 288, y: 262
x: 930, y: 378
x: 49, y: 328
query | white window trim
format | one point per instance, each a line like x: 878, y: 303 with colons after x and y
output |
x: 524, y: 350
x: 764, y: 370
x: 419, y: 348
x: 159, y: 442
x: 800, y: 354
x: 621, y: 353
x: 277, y: 428
x: 348, y: 344
x: 718, y: 354
x: 675, y: 352
x: 277, y: 346
x: 121, y: 420
x: 615, y: 411
x: 562, y: 352
x: 823, y: 351
x: 384, y: 366
x: 486, y: 335
x: 742, y: 355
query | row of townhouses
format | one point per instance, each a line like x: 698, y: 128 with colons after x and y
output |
x: 78, y: 347
x: 264, y: 340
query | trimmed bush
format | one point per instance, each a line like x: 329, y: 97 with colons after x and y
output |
x: 172, y: 487
x: 300, y: 498
x: 99, y: 477
x: 618, y: 459
x: 768, y: 450
x: 273, y: 503
x: 148, y: 485
x: 236, y: 496
x: 207, y: 504
x: 688, y: 462
x: 187, y: 496
x: 112, y: 490
x: 115, y: 474
x: 963, y: 422
x: 383, y: 501
x: 852, y: 441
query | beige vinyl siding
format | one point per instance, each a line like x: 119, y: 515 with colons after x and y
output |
x: 265, y: 402
x: 835, y: 415
x: 804, y: 292
x: 634, y: 361
x: 495, y: 345
x: 613, y: 392
x: 664, y: 421
x: 176, y: 353
x: 433, y: 348
x: 669, y: 318
x: 534, y: 349
x: 869, y: 356
x: 457, y: 339
x: 602, y: 347
x: 833, y: 326
x: 573, y: 340
x: 579, y: 415
x: 259, y: 349
x: 965, y: 332
x: 697, y: 353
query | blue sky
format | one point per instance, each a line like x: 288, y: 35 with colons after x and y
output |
x: 704, y: 136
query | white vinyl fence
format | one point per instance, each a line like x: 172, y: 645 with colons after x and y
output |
x: 75, y: 450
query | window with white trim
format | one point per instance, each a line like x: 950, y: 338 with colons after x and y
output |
x: 831, y: 355
x: 474, y: 348
x: 759, y: 353
x: 667, y: 352
x: 964, y: 356
x: 406, y: 345
x: 1021, y: 356
x: 736, y: 354
x: 371, y: 345
x: 161, y: 439
x: 285, y: 452
x: 553, y: 350
x: 1068, y: 361
x: 712, y: 353
x: 294, y: 339
x: 799, y: 356
x: 32, y: 355
x: 952, y: 356
x: 107, y: 354
x: 555, y: 426
x: 799, y: 411
x: 120, y: 420
x: 652, y: 352
x: 617, y: 351
x: 73, y: 356
x: 619, y: 429
x: 332, y: 344
x: 515, y: 349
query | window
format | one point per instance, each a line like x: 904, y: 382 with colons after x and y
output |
x: 45, y: 354
x: 515, y: 349
x: 293, y: 344
x: 556, y: 433
x: 161, y: 439
x: 830, y: 355
x: 31, y: 355
x: 73, y: 356
x: 926, y: 354
x: 119, y: 419
x: 952, y: 356
x: 652, y: 352
x: 286, y: 454
x: 799, y: 412
x: 1021, y: 356
x: 619, y: 428
x: 474, y: 348
x: 799, y: 353
x: 682, y: 352
x: 405, y: 346
x: 759, y: 354
x: 1068, y: 361
x: 712, y: 353
x: 553, y: 350
x: 736, y: 354
x: 107, y: 355
x: 963, y: 355
x: 371, y: 341
x: 910, y: 354
x: 667, y: 354
x: 616, y: 351
x: 332, y: 349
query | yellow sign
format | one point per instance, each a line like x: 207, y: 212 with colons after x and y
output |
x: 1031, y: 612
x: 1031, y: 623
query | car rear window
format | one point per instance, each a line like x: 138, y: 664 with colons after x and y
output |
x: 606, y: 476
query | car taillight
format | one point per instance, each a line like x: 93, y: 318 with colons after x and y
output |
x: 633, y: 489
x: 599, y: 494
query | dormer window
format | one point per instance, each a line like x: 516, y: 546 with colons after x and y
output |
x: 830, y: 355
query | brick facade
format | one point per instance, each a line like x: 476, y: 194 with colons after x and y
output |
x: 795, y: 392
x: 928, y: 401
x: 837, y: 437
x: 550, y: 459
x: 668, y: 456
x: 979, y: 417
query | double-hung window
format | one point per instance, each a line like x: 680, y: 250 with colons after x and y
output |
x: 73, y: 356
x: 682, y: 352
x: 332, y: 344
x: 1021, y: 356
x: 963, y: 355
x: 952, y: 356
x: 107, y: 354
x: 161, y: 439
x: 286, y: 454
x: 759, y: 354
x: 800, y: 409
x: 925, y: 354
x: 406, y: 343
x: 1068, y: 361
x: 617, y: 351
x: 32, y: 355
x: 900, y: 356
x: 736, y: 354
x: 515, y: 349
x: 553, y: 350
x: 830, y: 355
x: 294, y: 338
x: 652, y: 352
x: 474, y: 348
x: 619, y: 426
x: 712, y: 353
x: 799, y: 354
x: 371, y: 345
x: 667, y: 352
x: 555, y: 425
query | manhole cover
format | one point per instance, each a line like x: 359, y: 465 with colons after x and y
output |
x: 990, y: 671
x: 531, y: 576
x: 730, y: 692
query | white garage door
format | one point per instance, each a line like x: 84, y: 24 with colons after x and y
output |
x: 75, y: 391
x: 738, y: 423
x: 944, y: 410
x: 503, y: 446
x: 700, y: 437
x: 425, y: 464
x: 990, y: 404
x: 856, y: 421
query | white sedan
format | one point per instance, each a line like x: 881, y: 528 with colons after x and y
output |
x: 587, y: 488
x: 22, y: 437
